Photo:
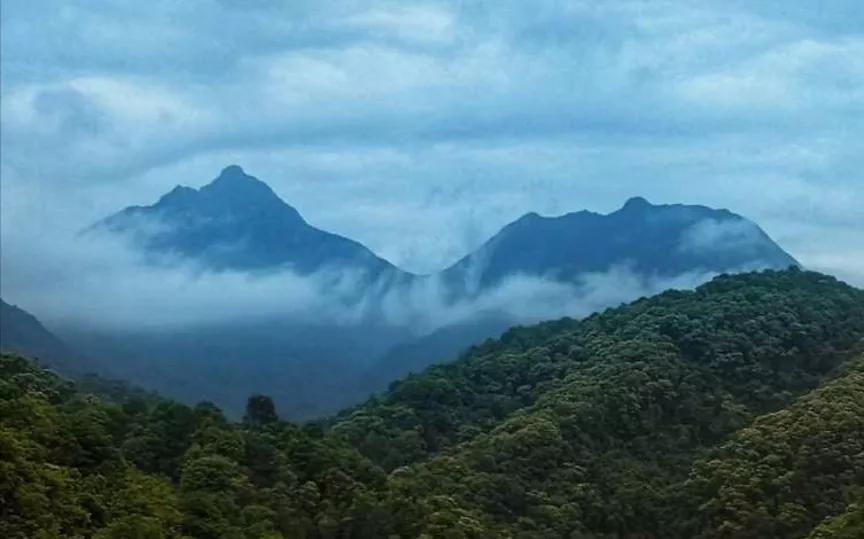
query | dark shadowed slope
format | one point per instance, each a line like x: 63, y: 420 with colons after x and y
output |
x: 661, y: 240
x: 21, y: 332
x: 442, y: 345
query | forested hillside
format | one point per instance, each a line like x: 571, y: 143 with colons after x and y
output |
x: 736, y: 410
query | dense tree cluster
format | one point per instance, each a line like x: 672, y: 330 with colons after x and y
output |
x: 735, y: 410
x: 74, y: 465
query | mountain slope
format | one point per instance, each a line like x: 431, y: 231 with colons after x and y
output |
x: 775, y: 328
x: 313, y: 365
x: 661, y: 240
x: 440, y: 346
x: 590, y: 429
x: 774, y: 478
x: 237, y: 222
x: 21, y: 332
x: 848, y: 525
x: 679, y: 245
x: 733, y: 411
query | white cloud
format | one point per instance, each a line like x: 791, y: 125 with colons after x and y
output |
x: 801, y: 74
x: 425, y: 24
x: 714, y: 235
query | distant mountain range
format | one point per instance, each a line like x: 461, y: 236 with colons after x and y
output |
x: 313, y: 367
x: 237, y: 222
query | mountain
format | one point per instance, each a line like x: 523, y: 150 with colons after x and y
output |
x: 237, y: 222
x: 21, y: 332
x: 654, y: 240
x: 735, y: 411
x: 313, y: 365
x: 655, y: 244
x: 675, y: 244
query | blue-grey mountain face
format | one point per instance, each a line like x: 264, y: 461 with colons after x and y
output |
x: 237, y: 222
x: 22, y: 333
x: 312, y: 365
x: 662, y: 241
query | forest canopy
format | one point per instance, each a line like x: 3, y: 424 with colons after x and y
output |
x: 735, y: 410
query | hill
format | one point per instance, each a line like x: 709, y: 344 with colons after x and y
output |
x: 733, y: 411
x: 592, y: 428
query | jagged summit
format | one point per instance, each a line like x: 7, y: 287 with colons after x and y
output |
x: 234, y: 177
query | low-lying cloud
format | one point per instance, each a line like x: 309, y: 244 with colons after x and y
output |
x: 102, y: 282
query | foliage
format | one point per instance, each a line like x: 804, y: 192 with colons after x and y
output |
x: 736, y: 410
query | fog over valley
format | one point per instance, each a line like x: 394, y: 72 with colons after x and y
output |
x: 425, y: 269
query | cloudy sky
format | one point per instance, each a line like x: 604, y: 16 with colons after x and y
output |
x: 421, y: 128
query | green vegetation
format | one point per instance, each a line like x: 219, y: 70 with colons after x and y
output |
x: 72, y: 465
x: 849, y: 525
x: 734, y: 411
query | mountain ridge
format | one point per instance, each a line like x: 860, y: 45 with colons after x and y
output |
x: 661, y: 239
x: 405, y: 322
x: 234, y: 191
x: 237, y: 222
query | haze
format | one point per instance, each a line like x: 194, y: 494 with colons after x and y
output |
x: 421, y: 128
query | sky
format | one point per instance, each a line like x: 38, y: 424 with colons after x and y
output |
x: 420, y: 129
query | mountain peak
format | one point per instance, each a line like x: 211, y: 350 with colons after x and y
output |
x: 234, y: 175
x: 234, y: 184
x: 237, y: 222
x: 233, y: 171
x: 658, y: 240
x: 636, y: 203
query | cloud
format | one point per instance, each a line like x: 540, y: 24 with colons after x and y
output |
x: 102, y: 282
x: 422, y: 127
x: 713, y: 235
x: 803, y: 74
x: 528, y: 299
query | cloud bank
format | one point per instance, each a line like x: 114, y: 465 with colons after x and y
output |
x: 419, y: 128
x: 103, y: 282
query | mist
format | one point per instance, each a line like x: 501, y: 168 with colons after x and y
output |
x: 101, y: 281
